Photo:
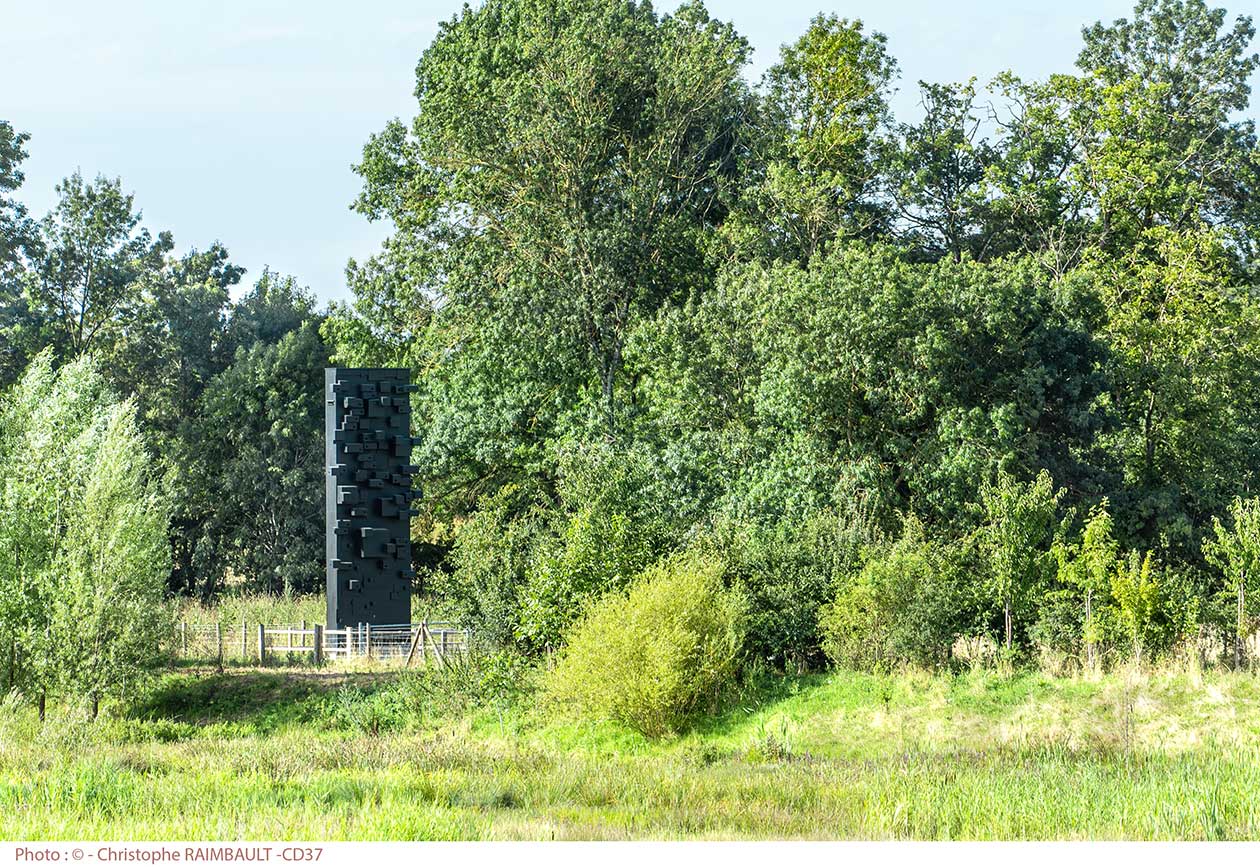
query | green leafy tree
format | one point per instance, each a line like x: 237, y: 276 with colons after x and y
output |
x: 1034, y: 203
x: 788, y: 390
x: 84, y: 528
x: 1015, y: 536
x: 259, y: 471
x: 566, y: 169
x: 938, y: 173
x: 1235, y: 551
x: 18, y: 242
x: 1184, y: 341
x: 903, y: 606
x: 1155, y: 108
x: 816, y: 148
x: 1089, y: 567
x: 1136, y: 592
x: 93, y: 252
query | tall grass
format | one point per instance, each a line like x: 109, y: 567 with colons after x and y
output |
x: 252, y: 608
x: 1146, y: 755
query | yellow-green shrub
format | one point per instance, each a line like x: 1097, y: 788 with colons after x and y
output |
x: 650, y: 657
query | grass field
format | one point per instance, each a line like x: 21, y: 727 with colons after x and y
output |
x: 370, y: 755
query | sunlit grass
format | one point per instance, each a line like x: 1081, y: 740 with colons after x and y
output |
x: 365, y: 755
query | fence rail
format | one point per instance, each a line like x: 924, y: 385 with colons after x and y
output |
x: 244, y: 643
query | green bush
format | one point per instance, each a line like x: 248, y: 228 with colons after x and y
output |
x: 906, y: 605
x: 613, y: 520
x: 788, y: 571
x: 651, y: 657
x: 488, y: 563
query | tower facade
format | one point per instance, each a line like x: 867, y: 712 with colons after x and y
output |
x: 367, y: 429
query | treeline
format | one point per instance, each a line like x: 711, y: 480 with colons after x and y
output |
x: 227, y: 394
x: 985, y: 381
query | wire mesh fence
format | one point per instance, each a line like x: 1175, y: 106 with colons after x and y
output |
x: 258, y: 643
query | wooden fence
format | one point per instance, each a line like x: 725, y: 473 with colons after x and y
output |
x: 260, y: 644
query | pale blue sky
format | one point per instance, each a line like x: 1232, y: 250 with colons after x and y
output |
x: 238, y: 121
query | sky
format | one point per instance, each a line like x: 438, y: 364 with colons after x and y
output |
x: 239, y: 121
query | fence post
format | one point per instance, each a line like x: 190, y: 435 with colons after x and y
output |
x: 262, y: 644
x: 367, y: 639
x: 319, y: 644
x: 183, y: 638
x: 218, y: 643
x: 244, y: 644
x: 411, y: 652
x: 302, y: 634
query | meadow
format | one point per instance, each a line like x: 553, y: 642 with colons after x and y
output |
x: 376, y: 754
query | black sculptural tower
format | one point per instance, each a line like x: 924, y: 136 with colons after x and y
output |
x: 367, y: 430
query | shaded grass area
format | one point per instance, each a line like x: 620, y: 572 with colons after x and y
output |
x: 365, y: 755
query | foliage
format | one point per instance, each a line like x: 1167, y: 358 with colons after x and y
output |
x: 1015, y: 537
x: 651, y: 657
x: 816, y: 146
x: 938, y: 170
x: 18, y: 240
x: 614, y: 518
x: 651, y: 307
x: 1087, y: 568
x: 261, y: 466
x: 488, y: 563
x: 83, y: 526
x: 788, y: 571
x: 92, y: 252
x: 903, y: 606
x: 1236, y: 553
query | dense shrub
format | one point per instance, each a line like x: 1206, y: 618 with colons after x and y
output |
x: 651, y: 657
x: 906, y: 605
x: 613, y: 522
x: 788, y: 571
x: 488, y: 563
x: 528, y: 561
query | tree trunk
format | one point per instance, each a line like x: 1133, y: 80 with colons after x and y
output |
x: 43, y: 704
x: 1241, y: 626
x: 1089, y: 639
x: 1007, y: 612
x: 96, y: 705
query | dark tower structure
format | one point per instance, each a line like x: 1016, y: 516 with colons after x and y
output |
x: 367, y: 429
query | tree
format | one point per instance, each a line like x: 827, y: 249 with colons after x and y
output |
x: 1184, y: 342
x: 1018, y: 524
x: 567, y: 165
x: 93, y: 254
x: 1090, y: 566
x: 1236, y: 553
x: 259, y: 468
x: 18, y: 242
x: 790, y: 390
x: 1034, y: 201
x: 1136, y: 590
x: 816, y: 161
x: 84, y: 529
x: 1146, y: 135
x: 1155, y: 106
x: 170, y: 342
x: 938, y: 171
x: 15, y: 225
